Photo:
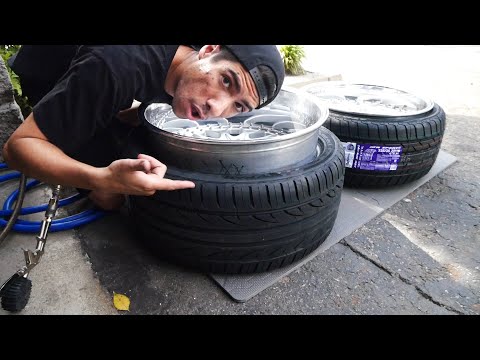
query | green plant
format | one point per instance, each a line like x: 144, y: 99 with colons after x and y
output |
x: 6, y: 51
x: 292, y: 56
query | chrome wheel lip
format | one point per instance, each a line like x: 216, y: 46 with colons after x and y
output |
x: 321, y: 110
x: 369, y: 99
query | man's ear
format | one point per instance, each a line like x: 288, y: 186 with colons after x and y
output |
x: 208, y: 50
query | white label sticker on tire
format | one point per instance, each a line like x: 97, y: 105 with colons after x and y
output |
x: 349, y: 153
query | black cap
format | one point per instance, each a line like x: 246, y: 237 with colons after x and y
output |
x: 251, y: 56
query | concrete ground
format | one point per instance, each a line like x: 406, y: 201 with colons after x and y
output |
x: 421, y: 256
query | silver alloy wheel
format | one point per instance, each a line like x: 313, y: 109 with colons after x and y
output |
x: 278, y: 136
x: 364, y: 99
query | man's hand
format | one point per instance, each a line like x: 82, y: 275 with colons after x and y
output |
x: 141, y: 176
x: 29, y: 151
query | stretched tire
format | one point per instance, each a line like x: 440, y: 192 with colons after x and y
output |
x: 388, y: 150
x: 237, y: 224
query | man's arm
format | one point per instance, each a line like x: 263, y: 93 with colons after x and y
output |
x: 29, y: 151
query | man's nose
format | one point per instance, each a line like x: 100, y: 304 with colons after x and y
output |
x: 216, y: 107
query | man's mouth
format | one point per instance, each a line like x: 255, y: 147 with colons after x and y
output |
x: 196, y: 112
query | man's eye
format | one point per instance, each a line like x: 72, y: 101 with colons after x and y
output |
x: 226, y: 81
x: 239, y: 107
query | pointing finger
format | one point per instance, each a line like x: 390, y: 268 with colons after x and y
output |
x: 169, y: 185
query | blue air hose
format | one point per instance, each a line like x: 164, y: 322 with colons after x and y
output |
x: 65, y: 223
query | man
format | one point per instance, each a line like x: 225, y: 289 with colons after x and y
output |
x: 67, y: 139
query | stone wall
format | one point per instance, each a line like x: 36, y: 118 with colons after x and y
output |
x: 10, y: 114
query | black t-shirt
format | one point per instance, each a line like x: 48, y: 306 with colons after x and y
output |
x: 43, y: 62
x: 101, y: 81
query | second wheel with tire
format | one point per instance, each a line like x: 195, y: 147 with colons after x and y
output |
x: 390, y: 137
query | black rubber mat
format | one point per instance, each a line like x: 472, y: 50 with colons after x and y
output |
x: 357, y: 207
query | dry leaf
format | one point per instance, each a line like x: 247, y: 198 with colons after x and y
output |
x: 121, y: 302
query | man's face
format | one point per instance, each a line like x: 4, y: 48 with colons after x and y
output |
x: 210, y: 89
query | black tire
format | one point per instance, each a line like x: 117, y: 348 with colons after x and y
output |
x: 418, y: 136
x: 245, y: 224
x: 16, y: 293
